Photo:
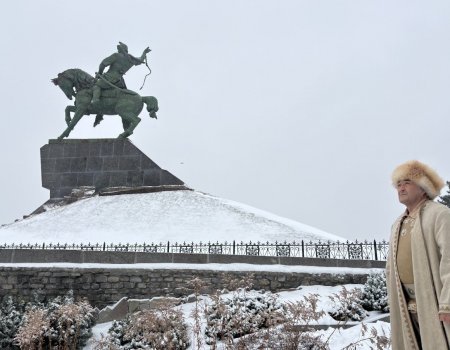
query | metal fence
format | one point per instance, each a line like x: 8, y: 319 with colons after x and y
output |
x: 323, y: 250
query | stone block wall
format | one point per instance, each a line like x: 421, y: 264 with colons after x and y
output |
x: 102, y: 163
x: 103, y: 286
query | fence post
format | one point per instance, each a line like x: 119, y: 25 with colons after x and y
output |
x: 234, y: 247
x: 104, y: 246
x: 375, y: 249
x: 168, y: 246
x: 303, y: 249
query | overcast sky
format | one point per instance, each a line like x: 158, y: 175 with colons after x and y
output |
x: 301, y: 108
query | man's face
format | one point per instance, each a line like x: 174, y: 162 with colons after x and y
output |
x: 409, y: 193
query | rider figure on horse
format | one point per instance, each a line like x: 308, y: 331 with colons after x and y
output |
x: 119, y: 63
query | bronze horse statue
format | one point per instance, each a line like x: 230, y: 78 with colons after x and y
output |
x: 115, y: 101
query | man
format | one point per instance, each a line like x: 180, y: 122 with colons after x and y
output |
x: 119, y: 63
x: 418, y: 267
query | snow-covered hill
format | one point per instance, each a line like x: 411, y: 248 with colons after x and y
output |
x: 176, y: 216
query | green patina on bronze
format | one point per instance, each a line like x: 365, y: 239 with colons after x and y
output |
x: 106, y: 94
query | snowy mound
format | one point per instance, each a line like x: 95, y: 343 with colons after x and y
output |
x: 175, y: 216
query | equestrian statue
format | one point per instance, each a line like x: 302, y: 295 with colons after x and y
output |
x: 107, y: 93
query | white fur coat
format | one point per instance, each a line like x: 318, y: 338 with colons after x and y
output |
x: 430, y: 243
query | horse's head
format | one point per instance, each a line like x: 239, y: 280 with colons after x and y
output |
x: 65, y: 84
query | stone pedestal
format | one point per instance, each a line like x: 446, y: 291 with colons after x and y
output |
x: 102, y: 163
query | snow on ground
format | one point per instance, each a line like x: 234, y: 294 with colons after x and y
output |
x: 339, y: 338
x: 176, y: 216
x: 180, y: 216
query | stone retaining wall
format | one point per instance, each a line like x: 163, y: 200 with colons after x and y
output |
x: 103, y: 286
x: 138, y: 275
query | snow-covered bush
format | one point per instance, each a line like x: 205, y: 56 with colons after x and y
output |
x: 197, y: 337
x: 348, y: 305
x: 31, y: 335
x: 374, y: 294
x: 240, y: 313
x: 116, y: 338
x: 10, y: 320
x: 371, y: 336
x: 150, y: 329
x: 295, y: 332
x: 304, y: 311
x: 60, y: 323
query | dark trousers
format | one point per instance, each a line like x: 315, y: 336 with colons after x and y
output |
x: 415, y: 323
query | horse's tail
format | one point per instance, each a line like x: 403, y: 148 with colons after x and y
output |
x: 152, y: 105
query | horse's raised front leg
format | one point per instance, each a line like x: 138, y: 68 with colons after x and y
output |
x: 68, y: 110
x: 76, y: 118
x: 129, y: 124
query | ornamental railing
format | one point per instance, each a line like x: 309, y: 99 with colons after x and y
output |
x: 372, y: 250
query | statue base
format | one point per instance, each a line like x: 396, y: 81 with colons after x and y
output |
x: 101, y: 163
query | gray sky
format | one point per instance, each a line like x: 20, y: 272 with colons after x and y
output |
x: 300, y: 108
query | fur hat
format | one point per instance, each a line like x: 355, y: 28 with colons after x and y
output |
x: 421, y: 174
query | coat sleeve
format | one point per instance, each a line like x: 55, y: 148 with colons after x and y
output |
x: 107, y: 62
x: 442, y: 235
x: 390, y: 256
